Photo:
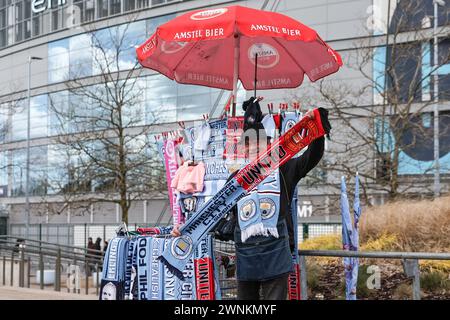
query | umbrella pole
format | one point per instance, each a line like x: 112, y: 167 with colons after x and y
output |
x: 235, y: 72
x: 256, y: 70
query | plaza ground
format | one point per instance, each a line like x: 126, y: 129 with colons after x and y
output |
x: 14, y: 293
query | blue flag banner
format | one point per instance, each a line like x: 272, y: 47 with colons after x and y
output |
x: 350, y: 240
x: 355, y: 239
x: 113, y: 275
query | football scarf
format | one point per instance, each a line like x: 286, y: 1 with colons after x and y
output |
x: 171, y: 165
x: 294, y: 277
x: 288, y: 120
x: 155, y: 280
x: 150, y: 270
x: 113, y: 275
x: 235, y: 128
x: 130, y: 269
x: 206, y: 283
x: 154, y: 231
x: 181, y: 248
x: 258, y: 210
x: 173, y: 286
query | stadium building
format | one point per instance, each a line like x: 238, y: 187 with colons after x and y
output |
x: 47, y: 43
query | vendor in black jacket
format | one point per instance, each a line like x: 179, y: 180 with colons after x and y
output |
x: 265, y: 261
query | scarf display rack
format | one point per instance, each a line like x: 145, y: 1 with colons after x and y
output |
x: 132, y: 267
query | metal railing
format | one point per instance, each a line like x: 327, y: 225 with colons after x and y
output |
x: 410, y: 263
x: 27, y: 253
x: 30, y: 254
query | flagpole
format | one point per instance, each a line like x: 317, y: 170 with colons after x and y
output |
x: 256, y: 70
x: 235, y: 71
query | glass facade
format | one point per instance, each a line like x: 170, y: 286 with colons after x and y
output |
x: 21, y: 20
x: 94, y: 53
x: 3, y: 168
x: 38, y: 171
x: 151, y: 99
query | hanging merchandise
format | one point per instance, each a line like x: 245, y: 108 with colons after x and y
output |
x: 252, y: 113
x: 235, y: 128
x: 202, y: 136
x: 280, y: 151
x: 154, y: 231
x: 269, y: 125
x: 171, y: 165
x: 288, y: 120
x: 189, y: 177
x: 113, y: 275
x: 185, y: 151
x: 212, y: 156
x: 210, y: 188
x: 131, y: 270
x: 150, y: 276
x: 294, y: 290
x: 188, y: 204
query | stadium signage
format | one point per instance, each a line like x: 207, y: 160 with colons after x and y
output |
x: 38, y: 6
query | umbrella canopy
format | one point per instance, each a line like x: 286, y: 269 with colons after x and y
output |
x: 216, y: 47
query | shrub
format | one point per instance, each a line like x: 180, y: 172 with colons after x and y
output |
x: 313, y: 273
x: 417, y: 225
x: 325, y: 242
x: 403, y: 292
x: 362, y: 291
x: 386, y: 242
x: 434, y: 281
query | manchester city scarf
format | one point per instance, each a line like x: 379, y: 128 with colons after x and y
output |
x: 172, y: 288
x: 113, y: 275
x: 130, y: 269
x: 188, y: 291
x: 258, y: 211
x: 181, y: 248
x: 150, y: 273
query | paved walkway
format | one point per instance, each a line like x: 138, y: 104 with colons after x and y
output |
x: 14, y: 293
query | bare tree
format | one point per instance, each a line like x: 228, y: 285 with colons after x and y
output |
x: 105, y: 138
x: 392, y: 132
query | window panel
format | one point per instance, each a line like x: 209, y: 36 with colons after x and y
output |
x: 4, y: 168
x: 58, y: 177
x: 58, y: 60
